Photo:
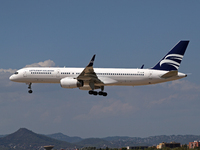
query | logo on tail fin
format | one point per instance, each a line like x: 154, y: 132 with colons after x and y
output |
x: 172, y: 59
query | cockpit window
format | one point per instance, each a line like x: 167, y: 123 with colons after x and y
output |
x: 16, y: 73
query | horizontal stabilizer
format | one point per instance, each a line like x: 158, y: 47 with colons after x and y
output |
x: 170, y: 74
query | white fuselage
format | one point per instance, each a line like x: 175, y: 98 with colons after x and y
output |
x: 90, y: 78
x: 110, y: 76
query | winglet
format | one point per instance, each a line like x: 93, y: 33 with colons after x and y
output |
x: 91, y: 62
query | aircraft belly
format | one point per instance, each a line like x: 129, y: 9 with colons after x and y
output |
x: 87, y: 87
x: 41, y: 80
x: 132, y: 81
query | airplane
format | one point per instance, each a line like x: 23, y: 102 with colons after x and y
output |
x: 90, y: 78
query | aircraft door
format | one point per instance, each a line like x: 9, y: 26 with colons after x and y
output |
x: 25, y: 73
x: 150, y: 75
x: 58, y: 73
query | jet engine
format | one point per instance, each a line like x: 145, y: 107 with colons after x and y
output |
x: 70, y: 83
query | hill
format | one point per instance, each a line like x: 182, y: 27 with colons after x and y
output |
x: 26, y: 139
x: 62, y: 137
x: 95, y: 142
x: 123, y: 141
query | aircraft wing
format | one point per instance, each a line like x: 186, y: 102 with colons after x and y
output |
x: 107, y: 80
x: 89, y: 75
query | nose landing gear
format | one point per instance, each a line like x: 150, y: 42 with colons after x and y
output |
x: 29, y: 87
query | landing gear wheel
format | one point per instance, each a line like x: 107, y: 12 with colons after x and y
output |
x: 101, y: 93
x: 95, y: 93
x: 90, y: 92
x: 105, y: 94
x: 30, y: 91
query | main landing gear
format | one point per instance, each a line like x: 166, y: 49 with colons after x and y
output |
x: 29, y: 87
x: 97, y: 93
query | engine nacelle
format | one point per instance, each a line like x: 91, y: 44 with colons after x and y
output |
x: 70, y: 83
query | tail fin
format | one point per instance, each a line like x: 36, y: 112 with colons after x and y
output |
x: 173, y: 59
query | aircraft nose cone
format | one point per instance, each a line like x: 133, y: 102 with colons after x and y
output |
x: 11, y: 78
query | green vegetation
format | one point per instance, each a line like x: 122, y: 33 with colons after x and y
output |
x: 150, y: 148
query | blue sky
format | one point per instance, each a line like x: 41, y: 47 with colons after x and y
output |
x: 122, y: 34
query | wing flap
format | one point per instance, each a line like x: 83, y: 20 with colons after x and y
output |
x: 107, y: 80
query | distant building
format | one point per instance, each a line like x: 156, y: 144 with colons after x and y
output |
x: 170, y: 145
x: 161, y: 145
x: 137, y: 147
x: 194, y: 144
